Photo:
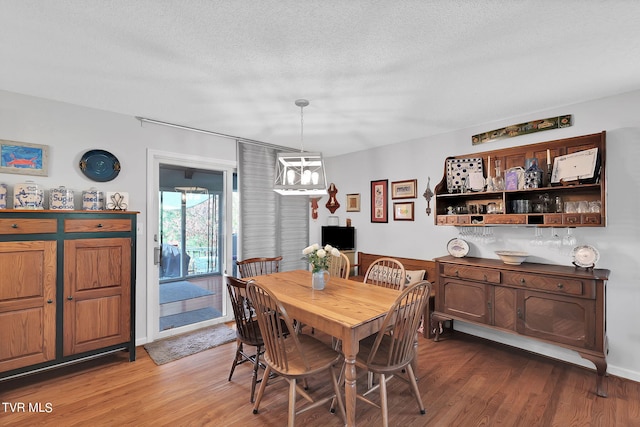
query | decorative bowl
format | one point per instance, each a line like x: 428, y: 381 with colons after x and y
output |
x: 512, y: 257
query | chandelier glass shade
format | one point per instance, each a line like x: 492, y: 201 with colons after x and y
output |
x: 300, y: 174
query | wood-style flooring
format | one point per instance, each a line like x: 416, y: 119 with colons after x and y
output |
x: 464, y: 381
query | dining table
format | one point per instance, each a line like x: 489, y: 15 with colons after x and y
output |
x: 345, y: 309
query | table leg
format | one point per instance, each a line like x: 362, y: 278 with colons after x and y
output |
x: 350, y: 349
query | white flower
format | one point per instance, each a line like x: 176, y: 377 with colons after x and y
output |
x: 308, y: 250
x: 328, y: 248
x: 315, y: 246
x: 321, y: 253
x: 335, y: 252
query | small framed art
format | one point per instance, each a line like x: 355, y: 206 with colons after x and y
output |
x: 404, y: 189
x: 379, y: 197
x: 403, y: 211
x: 23, y: 158
x: 353, y: 202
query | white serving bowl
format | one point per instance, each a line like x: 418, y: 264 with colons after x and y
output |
x: 512, y: 257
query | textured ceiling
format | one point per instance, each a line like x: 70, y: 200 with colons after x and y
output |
x: 375, y: 72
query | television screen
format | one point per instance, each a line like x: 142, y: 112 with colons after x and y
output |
x: 339, y: 237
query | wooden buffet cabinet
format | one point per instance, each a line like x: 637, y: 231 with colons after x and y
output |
x: 557, y: 304
x: 67, y: 288
x: 448, y: 204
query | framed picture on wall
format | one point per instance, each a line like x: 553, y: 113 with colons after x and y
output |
x: 403, y: 211
x: 379, y: 201
x: 23, y: 158
x: 404, y: 189
x: 353, y: 202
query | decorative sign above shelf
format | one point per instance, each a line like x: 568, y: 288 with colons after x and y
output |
x: 523, y: 129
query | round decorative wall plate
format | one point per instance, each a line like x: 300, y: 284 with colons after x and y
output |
x: 457, y: 247
x: 99, y: 165
x: 585, y: 256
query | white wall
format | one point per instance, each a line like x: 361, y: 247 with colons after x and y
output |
x: 70, y: 131
x: 617, y: 243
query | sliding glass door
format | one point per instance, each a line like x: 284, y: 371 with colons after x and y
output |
x: 191, y: 240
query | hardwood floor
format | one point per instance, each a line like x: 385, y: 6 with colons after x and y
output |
x: 464, y: 381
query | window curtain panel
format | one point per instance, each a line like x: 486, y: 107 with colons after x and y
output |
x: 270, y: 224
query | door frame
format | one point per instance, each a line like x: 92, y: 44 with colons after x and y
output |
x: 154, y: 159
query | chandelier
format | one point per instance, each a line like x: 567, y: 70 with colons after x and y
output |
x: 300, y: 174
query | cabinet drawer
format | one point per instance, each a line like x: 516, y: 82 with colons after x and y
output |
x: 27, y: 225
x: 553, y: 219
x: 505, y: 219
x: 472, y: 273
x: 561, y: 285
x: 96, y: 225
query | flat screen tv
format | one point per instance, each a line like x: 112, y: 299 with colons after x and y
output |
x: 339, y: 237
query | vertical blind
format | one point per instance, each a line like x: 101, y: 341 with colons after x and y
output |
x: 270, y: 224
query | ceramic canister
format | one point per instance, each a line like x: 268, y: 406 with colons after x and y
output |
x: 92, y: 200
x: 28, y: 195
x: 3, y: 196
x: 61, y: 199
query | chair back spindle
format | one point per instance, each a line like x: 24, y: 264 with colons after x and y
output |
x: 258, y: 266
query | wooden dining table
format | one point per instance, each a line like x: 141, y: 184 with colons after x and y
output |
x: 344, y: 309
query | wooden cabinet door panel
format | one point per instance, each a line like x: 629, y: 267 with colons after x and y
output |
x: 27, y: 303
x: 467, y: 300
x: 97, y: 285
x: 556, y: 318
x: 504, y: 308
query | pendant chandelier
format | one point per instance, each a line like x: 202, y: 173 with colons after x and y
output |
x: 300, y: 174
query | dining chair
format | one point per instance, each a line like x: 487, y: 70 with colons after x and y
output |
x: 247, y: 330
x: 387, y: 272
x: 339, y: 266
x: 258, y: 266
x: 293, y: 357
x: 391, y: 351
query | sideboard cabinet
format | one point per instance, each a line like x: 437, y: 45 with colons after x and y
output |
x: 67, y: 288
x: 455, y: 207
x: 561, y: 305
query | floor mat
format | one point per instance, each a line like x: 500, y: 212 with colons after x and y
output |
x: 174, y: 348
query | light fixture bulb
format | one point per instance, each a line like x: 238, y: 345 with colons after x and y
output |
x: 315, y: 178
x: 291, y: 176
x: 306, y: 177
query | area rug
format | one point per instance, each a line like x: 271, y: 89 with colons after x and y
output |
x: 174, y: 348
x: 180, y: 291
x: 188, y: 317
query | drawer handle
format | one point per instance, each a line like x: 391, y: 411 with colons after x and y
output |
x: 560, y: 285
x: 99, y: 225
x: 519, y: 311
x: 522, y: 281
x: 69, y: 298
x: 49, y: 301
x: 14, y: 225
x: 485, y: 277
x: 457, y: 273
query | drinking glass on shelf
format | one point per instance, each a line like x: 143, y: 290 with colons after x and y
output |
x: 569, y: 239
x: 538, y: 239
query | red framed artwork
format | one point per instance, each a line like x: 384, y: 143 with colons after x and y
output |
x: 379, y: 201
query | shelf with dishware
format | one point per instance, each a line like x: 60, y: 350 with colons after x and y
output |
x: 471, y: 194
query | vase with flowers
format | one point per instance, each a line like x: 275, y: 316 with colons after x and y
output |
x: 319, y: 258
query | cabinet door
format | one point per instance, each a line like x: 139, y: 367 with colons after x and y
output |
x: 97, y: 289
x: 504, y: 308
x: 27, y: 303
x: 468, y: 300
x: 557, y: 318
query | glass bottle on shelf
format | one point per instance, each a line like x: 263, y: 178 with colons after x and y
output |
x: 498, y: 181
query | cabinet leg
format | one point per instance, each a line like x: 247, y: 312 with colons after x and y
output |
x: 601, y: 373
x: 437, y: 325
